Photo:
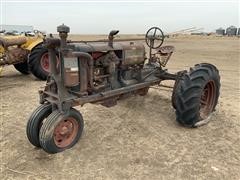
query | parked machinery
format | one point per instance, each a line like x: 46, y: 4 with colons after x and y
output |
x: 104, y: 72
x: 26, y: 53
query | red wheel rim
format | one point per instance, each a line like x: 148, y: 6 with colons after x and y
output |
x: 207, y: 99
x: 45, y: 62
x: 65, y: 132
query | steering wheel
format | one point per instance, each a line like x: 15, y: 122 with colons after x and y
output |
x: 154, y: 37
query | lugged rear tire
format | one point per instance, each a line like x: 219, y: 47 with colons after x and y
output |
x: 36, y: 63
x: 22, y: 67
x: 175, y: 87
x: 197, y: 95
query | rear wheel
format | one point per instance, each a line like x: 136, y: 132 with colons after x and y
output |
x: 197, y: 95
x: 39, y: 62
x: 35, y: 122
x: 175, y: 87
x: 61, y: 131
x: 22, y: 67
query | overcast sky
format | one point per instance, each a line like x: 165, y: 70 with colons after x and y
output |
x: 134, y: 17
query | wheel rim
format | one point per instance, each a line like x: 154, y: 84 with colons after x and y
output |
x: 45, y: 62
x: 65, y: 132
x: 207, y: 100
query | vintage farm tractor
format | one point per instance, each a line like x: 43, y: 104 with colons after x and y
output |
x: 104, y: 72
x: 26, y: 52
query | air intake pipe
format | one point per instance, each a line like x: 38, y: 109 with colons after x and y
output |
x: 86, y: 70
x: 63, y: 31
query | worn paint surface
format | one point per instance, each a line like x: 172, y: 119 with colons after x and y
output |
x: 137, y: 139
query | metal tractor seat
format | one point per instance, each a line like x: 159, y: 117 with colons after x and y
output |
x: 166, y: 50
x: 165, y: 53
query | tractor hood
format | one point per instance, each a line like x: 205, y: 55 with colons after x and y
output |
x: 103, y: 46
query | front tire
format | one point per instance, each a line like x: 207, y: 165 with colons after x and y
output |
x: 35, y: 122
x: 197, y: 95
x: 61, y: 131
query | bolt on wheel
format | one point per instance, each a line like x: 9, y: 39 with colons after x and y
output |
x: 65, y: 132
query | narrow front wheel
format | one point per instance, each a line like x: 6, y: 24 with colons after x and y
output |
x: 35, y: 122
x: 61, y: 131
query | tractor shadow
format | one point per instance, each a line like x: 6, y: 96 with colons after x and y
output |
x: 156, y: 105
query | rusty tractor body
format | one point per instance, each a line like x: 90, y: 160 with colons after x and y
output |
x: 26, y: 53
x: 105, y: 71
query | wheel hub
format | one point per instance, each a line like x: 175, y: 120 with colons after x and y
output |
x: 65, y: 132
x: 45, y: 62
x: 207, y: 101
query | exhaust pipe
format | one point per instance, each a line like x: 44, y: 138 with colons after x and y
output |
x: 111, y: 37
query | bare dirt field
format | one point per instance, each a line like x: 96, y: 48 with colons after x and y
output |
x: 137, y: 139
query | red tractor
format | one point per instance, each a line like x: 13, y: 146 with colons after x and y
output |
x: 106, y: 71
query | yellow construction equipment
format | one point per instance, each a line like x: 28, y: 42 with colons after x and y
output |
x: 26, y: 53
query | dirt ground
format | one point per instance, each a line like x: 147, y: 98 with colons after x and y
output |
x: 137, y: 139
